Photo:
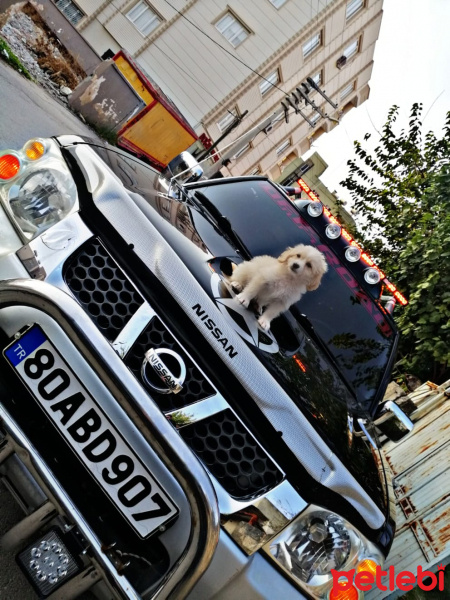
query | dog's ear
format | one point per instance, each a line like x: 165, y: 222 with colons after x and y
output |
x: 284, y: 256
x: 314, y: 283
x: 319, y: 271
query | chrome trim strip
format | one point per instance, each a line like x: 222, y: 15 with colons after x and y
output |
x: 132, y: 330
x: 199, y: 410
x: 287, y: 500
x: 158, y: 432
x: 273, y: 512
x: 119, y: 581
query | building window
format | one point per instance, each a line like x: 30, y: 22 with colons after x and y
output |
x: 317, y: 78
x: 242, y: 151
x: 278, y: 3
x: 351, y: 49
x: 70, y: 10
x: 353, y: 6
x: 284, y: 146
x: 272, y: 80
x: 313, y: 43
x: 143, y: 17
x: 226, y: 120
x: 256, y: 171
x: 347, y: 90
x: 231, y: 28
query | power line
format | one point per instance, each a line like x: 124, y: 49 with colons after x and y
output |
x: 224, y: 49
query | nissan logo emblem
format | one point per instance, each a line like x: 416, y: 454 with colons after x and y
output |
x: 172, y: 383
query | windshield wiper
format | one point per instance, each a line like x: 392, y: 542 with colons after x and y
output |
x: 221, y: 223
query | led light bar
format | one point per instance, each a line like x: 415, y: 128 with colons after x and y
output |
x: 345, y: 234
x: 48, y: 563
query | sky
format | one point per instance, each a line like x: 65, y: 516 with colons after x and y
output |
x: 411, y: 64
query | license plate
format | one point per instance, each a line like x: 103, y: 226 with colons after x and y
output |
x: 90, y: 433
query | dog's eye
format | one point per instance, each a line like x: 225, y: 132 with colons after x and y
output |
x: 308, y: 264
x: 299, y: 255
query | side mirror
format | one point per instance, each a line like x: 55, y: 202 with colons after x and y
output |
x: 392, y: 421
x: 184, y: 167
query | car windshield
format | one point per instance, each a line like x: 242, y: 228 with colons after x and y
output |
x: 350, y: 323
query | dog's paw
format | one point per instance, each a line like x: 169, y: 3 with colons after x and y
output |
x: 236, y: 287
x: 265, y: 323
x: 243, y: 300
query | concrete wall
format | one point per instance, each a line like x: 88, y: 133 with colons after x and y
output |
x: 105, y: 98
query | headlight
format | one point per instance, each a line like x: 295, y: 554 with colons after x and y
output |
x: 314, y: 544
x: 42, y: 192
x: 42, y: 199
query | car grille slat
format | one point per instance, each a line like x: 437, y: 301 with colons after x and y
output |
x: 101, y: 288
x: 195, y: 387
x: 232, y: 455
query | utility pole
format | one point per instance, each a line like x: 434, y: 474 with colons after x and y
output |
x: 292, y: 100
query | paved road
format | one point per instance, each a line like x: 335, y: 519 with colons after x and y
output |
x: 26, y: 111
x: 29, y: 111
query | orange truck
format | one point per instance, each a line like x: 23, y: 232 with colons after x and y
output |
x: 159, y: 131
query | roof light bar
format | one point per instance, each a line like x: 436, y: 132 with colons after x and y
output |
x: 346, y: 235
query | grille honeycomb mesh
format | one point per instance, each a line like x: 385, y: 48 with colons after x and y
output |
x: 195, y: 386
x: 101, y: 288
x: 232, y: 455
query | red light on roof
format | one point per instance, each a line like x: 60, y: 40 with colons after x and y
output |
x: 346, y: 235
x: 403, y: 301
x: 305, y: 187
x: 397, y: 295
x: 366, y: 258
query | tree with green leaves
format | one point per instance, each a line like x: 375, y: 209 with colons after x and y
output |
x: 401, y: 191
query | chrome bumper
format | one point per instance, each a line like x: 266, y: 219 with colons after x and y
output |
x: 158, y: 433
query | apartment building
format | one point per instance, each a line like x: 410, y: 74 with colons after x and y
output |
x: 218, y: 59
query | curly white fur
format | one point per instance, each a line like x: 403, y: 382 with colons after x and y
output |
x: 277, y: 283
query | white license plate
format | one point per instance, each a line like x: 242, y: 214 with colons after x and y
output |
x: 90, y: 433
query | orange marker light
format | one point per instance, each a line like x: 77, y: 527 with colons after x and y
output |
x: 34, y: 149
x: 9, y: 166
x: 350, y: 594
x: 367, y: 565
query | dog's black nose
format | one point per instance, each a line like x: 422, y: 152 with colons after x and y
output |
x: 295, y: 266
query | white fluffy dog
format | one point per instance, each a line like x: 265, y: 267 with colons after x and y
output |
x: 276, y: 283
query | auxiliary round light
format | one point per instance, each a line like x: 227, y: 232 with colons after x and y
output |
x: 9, y: 166
x: 34, y: 149
x: 353, y: 254
x: 333, y: 231
x: 350, y: 594
x: 372, y: 276
x: 315, y: 209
